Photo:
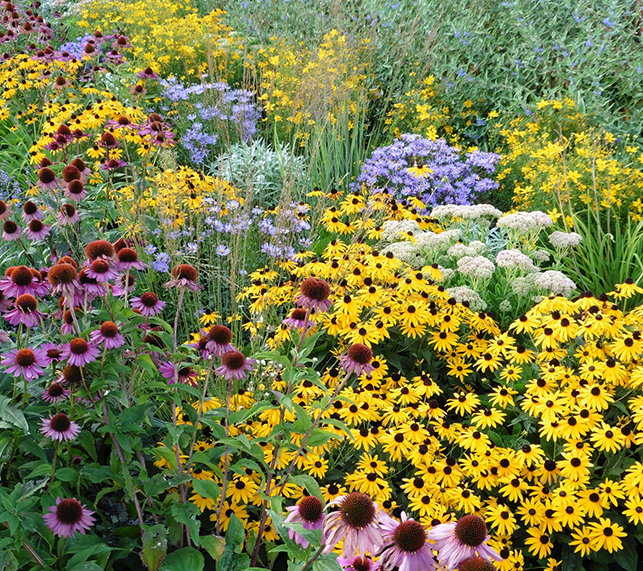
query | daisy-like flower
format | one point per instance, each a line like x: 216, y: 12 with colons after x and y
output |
x: 88, y: 286
x: 313, y: 294
x: 55, y: 392
x: 67, y: 517
x: 148, y: 304
x: 121, y: 122
x: 298, y: 319
x: 78, y: 352
x: 358, y: 359
x: 310, y: 513
x: 30, y: 212
x: 67, y: 215
x: 82, y: 168
x: 99, y: 249
x: 5, y: 211
x: 185, y: 375
x: 60, y: 427
x: 112, y: 164
x: 52, y: 352
x: 47, y: 179
x: 184, y: 275
x: 27, y: 362
x: 358, y: 563
x: 101, y: 271
x: 21, y: 280
x: 11, y: 231
x: 234, y: 365
x: 36, y: 230
x: 128, y: 260
x: 219, y: 337
x: 147, y: 73
x: 457, y: 541
x: 356, y: 522
x: 25, y: 311
x: 75, y: 190
x: 405, y: 545
x: 71, y: 172
x: 108, y: 334
x: 62, y: 277
x: 108, y: 141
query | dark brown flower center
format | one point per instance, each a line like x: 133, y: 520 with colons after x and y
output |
x: 99, y: 248
x: 233, y: 360
x: 62, y: 274
x: 358, y: 510
x: 70, y: 173
x: 60, y: 422
x: 185, y: 271
x: 68, y: 210
x: 476, y: 564
x: 21, y: 276
x: 75, y: 187
x: 310, y: 509
x: 55, y: 390
x: 46, y: 175
x: 72, y: 374
x: 410, y: 536
x: 69, y: 511
x: 220, y: 334
x: 360, y: 353
x: 27, y: 303
x: 127, y: 255
x: 471, y: 530
x: 149, y: 299
x: 299, y: 314
x: 78, y: 346
x: 100, y: 266
x: 109, y: 329
x: 29, y: 208
x: 25, y: 358
x: 10, y: 227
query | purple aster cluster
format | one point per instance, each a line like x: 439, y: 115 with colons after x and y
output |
x: 229, y: 110
x: 450, y: 178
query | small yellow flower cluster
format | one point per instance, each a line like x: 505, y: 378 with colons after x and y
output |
x: 300, y: 87
x: 167, y: 36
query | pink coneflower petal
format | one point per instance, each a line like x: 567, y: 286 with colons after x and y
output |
x: 109, y: 335
x: 55, y: 392
x: 60, y: 427
x: 310, y: 513
x: 234, y: 365
x: 148, y: 304
x: 27, y: 362
x: 78, y: 352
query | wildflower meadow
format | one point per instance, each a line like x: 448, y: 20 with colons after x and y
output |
x: 312, y: 285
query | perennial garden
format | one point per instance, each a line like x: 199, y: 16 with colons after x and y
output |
x: 320, y: 286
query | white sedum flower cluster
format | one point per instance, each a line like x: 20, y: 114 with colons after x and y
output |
x: 476, y: 267
x: 399, y: 229
x: 475, y: 212
x: 465, y: 293
x: 458, y: 251
x: 523, y: 223
x: 512, y: 259
x: 565, y: 240
x: 555, y: 282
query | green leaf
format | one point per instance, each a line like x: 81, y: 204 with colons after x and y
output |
x: 327, y: 562
x: 186, y: 559
x: 214, y: 545
x: 154, y: 546
x: 66, y: 474
x: 206, y: 488
x: 310, y: 484
x: 86, y: 566
x: 235, y: 535
x: 319, y: 437
x: 187, y: 514
x: 628, y: 557
x: 167, y: 454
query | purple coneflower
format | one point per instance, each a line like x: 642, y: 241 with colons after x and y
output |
x: 405, y: 545
x: 147, y: 73
x: 101, y: 271
x: 67, y: 215
x: 298, y: 319
x: 37, y: 230
x: 121, y: 42
x: 30, y: 211
x: 109, y: 334
x: 185, y: 375
x: 5, y: 211
x: 55, y: 392
x: 27, y: 362
x: 356, y: 522
x: 89, y: 286
x: 81, y: 166
x: 67, y: 517
x: 11, y: 231
x: 476, y: 564
x: 78, y: 352
x: 52, y: 352
x: 128, y: 260
x: 358, y: 563
x: 62, y: 277
x: 75, y: 190
x: 47, y: 179
x: 314, y: 294
x: 99, y: 249
x: 60, y: 427
x: 358, y: 359
x: 121, y: 122
x: 148, y: 304
x: 70, y: 173
x: 234, y: 365
x: 124, y: 282
x: 310, y: 513
x: 112, y: 164
x: 22, y: 280
x: 457, y: 541
x: 108, y: 141
x: 219, y: 337
x: 25, y: 311
x: 184, y: 275
x: 202, y: 346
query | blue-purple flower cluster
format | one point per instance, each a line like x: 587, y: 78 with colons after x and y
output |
x: 226, y: 108
x: 450, y: 178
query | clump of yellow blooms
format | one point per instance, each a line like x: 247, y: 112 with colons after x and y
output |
x: 559, y: 163
x: 300, y: 87
x: 167, y: 36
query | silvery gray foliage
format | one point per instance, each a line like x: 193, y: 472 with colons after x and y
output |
x: 260, y: 169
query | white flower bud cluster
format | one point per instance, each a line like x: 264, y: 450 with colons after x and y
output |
x: 525, y: 222
x: 523, y: 287
x: 447, y: 273
x: 478, y: 246
x: 565, y: 240
x: 437, y: 242
x: 467, y: 212
x: 553, y: 281
x: 511, y: 259
x: 476, y: 267
x: 505, y: 306
x: 396, y: 229
x: 465, y: 293
x: 458, y: 251
x: 540, y: 256
x: 406, y: 252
